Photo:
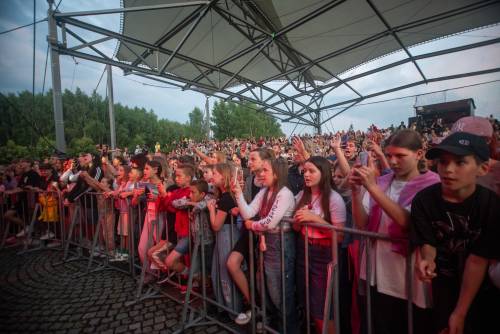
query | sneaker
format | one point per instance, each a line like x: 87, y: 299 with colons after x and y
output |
x: 98, y: 253
x: 118, y: 257
x: 11, y: 240
x: 53, y: 244
x: 48, y: 235
x: 243, y: 318
x: 23, y: 232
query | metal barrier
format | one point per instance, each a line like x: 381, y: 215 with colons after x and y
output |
x: 188, y: 319
x: 192, y: 315
x: 92, y: 234
x: 15, y: 216
x: 91, y: 237
x: 331, y: 294
x: 333, y: 280
x: 30, y: 209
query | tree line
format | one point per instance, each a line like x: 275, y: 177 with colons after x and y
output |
x: 27, y: 124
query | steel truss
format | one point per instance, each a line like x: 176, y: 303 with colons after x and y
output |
x: 304, y: 106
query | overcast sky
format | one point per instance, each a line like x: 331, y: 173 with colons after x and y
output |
x: 16, y: 73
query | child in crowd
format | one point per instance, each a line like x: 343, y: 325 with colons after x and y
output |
x: 49, y: 201
x: 123, y: 188
x: 456, y: 225
x: 152, y: 188
x: 199, y: 227
x: 317, y: 203
x: 178, y: 202
x: 274, y: 205
x: 385, y: 208
x: 240, y: 251
x: 106, y: 216
x: 208, y: 172
x: 226, y: 235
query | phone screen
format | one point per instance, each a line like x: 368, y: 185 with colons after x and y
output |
x: 236, y: 172
x: 363, y: 158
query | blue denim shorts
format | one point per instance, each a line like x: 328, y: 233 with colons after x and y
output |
x: 182, y: 246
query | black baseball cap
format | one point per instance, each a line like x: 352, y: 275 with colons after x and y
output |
x: 461, y: 144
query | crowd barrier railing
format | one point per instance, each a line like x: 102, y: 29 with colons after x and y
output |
x: 15, y: 217
x: 94, y: 225
x: 259, y: 311
x: 31, y: 213
x: 91, y: 236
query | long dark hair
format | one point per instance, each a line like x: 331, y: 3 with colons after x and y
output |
x: 157, y: 165
x: 279, y: 168
x: 324, y: 186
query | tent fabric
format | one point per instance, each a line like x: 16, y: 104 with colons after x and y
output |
x: 347, y: 34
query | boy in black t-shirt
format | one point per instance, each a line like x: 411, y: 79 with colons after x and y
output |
x: 456, y: 224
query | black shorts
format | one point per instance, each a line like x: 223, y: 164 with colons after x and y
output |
x: 241, y: 245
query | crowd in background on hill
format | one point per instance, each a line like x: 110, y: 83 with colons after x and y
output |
x: 434, y: 186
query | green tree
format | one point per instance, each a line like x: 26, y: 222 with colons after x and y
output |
x: 78, y: 145
x: 86, y: 123
x: 243, y: 121
x: 196, y: 125
x: 11, y: 151
x: 44, y: 147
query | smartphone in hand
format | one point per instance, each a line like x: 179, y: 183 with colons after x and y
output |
x: 363, y: 158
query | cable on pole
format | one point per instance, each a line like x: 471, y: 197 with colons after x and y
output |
x: 23, y: 26
x: 34, y: 64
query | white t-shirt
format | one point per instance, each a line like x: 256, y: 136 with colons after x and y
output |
x: 283, y: 207
x: 388, y: 268
x: 337, y: 214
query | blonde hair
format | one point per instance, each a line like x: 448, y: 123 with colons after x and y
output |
x: 220, y: 157
x: 227, y: 171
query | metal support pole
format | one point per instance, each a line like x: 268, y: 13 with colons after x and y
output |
x: 317, y: 122
x: 56, y: 81
x: 112, y: 132
x: 207, y: 118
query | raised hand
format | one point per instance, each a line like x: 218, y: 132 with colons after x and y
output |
x: 336, y: 142
x: 236, y: 188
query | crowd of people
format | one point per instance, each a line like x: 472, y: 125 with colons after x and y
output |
x: 436, y: 199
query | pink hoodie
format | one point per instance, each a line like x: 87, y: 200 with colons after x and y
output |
x: 409, y: 191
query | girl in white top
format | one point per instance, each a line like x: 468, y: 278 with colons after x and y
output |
x: 317, y: 203
x: 274, y: 204
x: 385, y: 209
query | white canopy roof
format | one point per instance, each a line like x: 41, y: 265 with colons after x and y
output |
x: 234, y: 48
x: 340, y: 36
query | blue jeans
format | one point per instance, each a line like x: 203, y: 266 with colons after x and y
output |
x: 273, y: 276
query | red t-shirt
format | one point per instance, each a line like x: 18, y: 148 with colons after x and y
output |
x: 181, y: 215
